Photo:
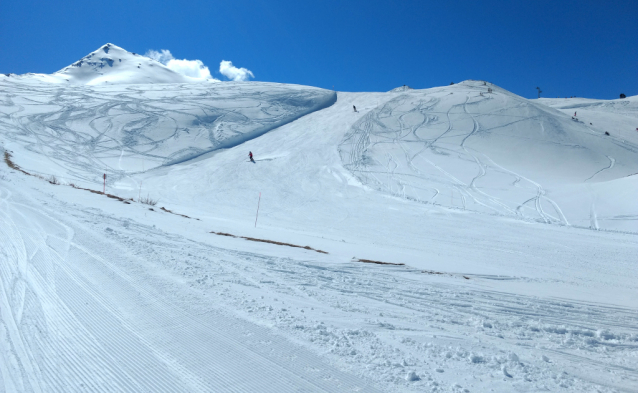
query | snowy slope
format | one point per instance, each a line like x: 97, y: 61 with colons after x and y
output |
x: 308, y: 194
x: 497, y: 154
x: 493, y: 152
x: 618, y: 117
x: 611, y: 201
x: 485, y: 201
x: 151, y: 301
x: 83, y: 131
x: 456, y: 146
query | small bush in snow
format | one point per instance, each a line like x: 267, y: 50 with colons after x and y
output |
x: 148, y: 201
x: 9, y: 162
x: 53, y: 180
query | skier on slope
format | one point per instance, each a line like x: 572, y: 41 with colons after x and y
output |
x: 354, y: 107
x: 250, y: 155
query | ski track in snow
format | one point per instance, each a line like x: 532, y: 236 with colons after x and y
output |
x: 75, y: 320
x: 80, y: 129
x: 611, y: 165
x: 164, y: 313
x: 378, y: 127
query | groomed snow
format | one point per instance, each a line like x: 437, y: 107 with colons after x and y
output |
x: 511, y: 227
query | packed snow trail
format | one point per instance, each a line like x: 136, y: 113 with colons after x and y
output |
x: 83, y: 311
x: 100, y: 301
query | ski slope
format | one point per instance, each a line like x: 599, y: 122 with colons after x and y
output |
x: 125, y: 129
x: 463, y: 147
x: 611, y: 201
x: 507, y: 229
x: 618, y: 117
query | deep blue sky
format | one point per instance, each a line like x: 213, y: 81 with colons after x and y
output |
x: 567, y: 48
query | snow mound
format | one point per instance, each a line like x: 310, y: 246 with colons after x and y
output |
x: 400, y: 89
x: 111, y: 64
x: 479, y: 147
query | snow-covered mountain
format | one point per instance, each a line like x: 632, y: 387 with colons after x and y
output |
x: 501, y: 231
x: 113, y: 65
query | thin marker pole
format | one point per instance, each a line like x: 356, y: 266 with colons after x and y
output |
x: 257, y: 210
x: 139, y: 196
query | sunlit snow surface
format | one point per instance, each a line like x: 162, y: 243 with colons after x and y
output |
x: 498, y: 153
x: 85, y: 130
x: 492, y: 203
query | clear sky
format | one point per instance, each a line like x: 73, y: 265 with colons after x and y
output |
x: 567, y: 48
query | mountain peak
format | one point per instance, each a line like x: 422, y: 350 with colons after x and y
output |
x: 113, y: 65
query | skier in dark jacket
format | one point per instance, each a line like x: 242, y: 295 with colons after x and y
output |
x: 354, y: 107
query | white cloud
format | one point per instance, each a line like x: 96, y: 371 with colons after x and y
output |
x: 163, y: 56
x: 231, y: 72
x: 196, y: 68
x: 192, y: 68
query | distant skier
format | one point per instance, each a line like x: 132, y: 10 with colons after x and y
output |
x: 354, y: 107
x: 250, y: 155
x: 574, y: 114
